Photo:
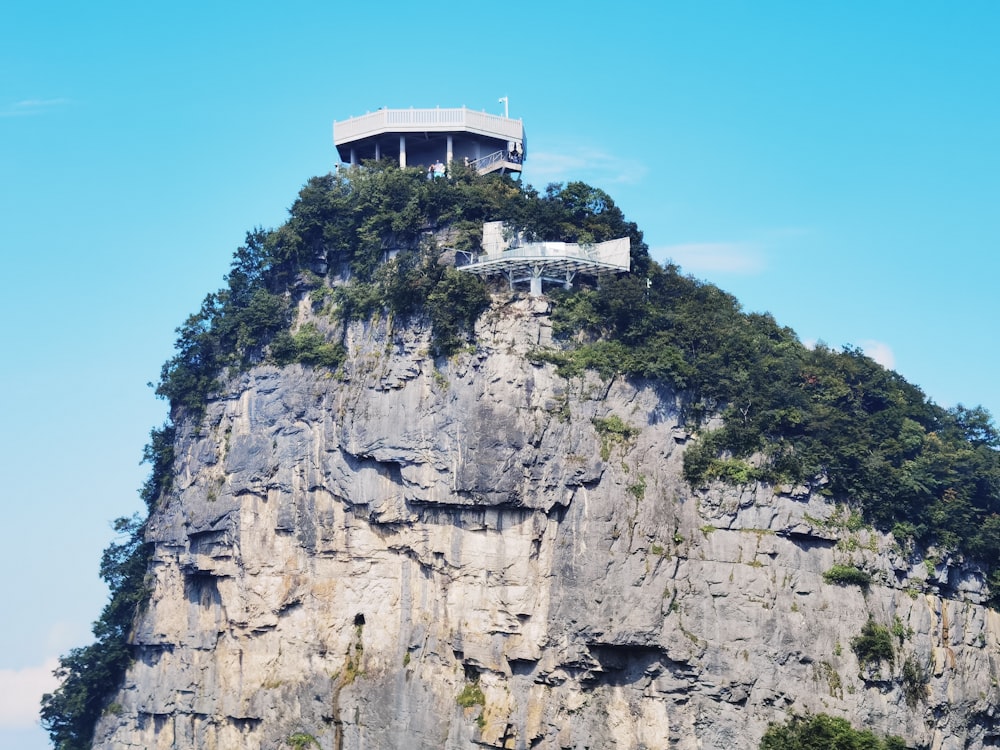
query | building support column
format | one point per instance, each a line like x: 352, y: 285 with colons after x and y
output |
x: 402, y: 152
x: 378, y: 151
x: 536, y: 281
x: 354, y: 160
x: 450, y: 153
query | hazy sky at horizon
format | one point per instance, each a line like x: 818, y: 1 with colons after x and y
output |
x: 835, y: 164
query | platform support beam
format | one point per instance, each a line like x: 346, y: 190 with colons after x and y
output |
x: 536, y: 281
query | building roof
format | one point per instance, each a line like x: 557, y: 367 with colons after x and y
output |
x: 460, y: 120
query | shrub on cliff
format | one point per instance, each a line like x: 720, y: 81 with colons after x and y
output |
x: 873, y: 645
x: 307, y: 346
x: 848, y: 575
x: 824, y: 732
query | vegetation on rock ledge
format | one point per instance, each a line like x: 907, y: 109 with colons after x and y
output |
x: 824, y: 732
x: 847, y: 575
x: 874, y: 645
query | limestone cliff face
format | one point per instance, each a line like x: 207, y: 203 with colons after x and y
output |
x: 456, y: 555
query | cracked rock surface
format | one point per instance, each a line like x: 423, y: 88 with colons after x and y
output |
x: 450, y: 554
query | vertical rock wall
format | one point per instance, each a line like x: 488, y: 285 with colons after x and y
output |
x: 410, y: 554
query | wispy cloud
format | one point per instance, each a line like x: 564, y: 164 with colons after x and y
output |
x: 880, y: 352
x: 714, y: 257
x: 586, y: 164
x: 20, y: 693
x: 28, y: 107
x: 62, y: 636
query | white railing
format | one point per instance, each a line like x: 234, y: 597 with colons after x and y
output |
x: 416, y: 120
x: 611, y: 252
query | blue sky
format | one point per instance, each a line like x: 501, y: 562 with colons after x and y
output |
x: 835, y: 164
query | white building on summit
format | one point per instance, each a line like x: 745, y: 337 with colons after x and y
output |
x: 433, y: 137
x: 535, y: 262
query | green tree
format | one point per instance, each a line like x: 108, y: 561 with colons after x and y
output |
x: 90, y: 675
x: 873, y: 645
x: 824, y: 732
x: 454, y: 305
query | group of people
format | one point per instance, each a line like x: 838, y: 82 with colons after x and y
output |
x: 435, y: 170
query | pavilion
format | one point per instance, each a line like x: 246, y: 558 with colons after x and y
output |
x: 433, y: 137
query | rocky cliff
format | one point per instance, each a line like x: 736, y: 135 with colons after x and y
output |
x: 475, y: 552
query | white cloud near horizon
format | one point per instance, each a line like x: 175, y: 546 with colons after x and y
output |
x: 21, y: 691
x: 590, y: 165
x: 27, y: 107
x: 62, y: 636
x: 880, y: 352
x: 714, y: 257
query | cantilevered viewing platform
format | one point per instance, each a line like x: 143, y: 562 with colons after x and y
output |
x: 535, y: 262
x: 433, y: 138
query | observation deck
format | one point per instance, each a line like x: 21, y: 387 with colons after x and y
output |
x: 429, y: 137
x: 537, y: 262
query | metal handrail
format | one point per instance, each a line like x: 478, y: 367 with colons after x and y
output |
x: 489, y: 160
x: 507, y: 157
